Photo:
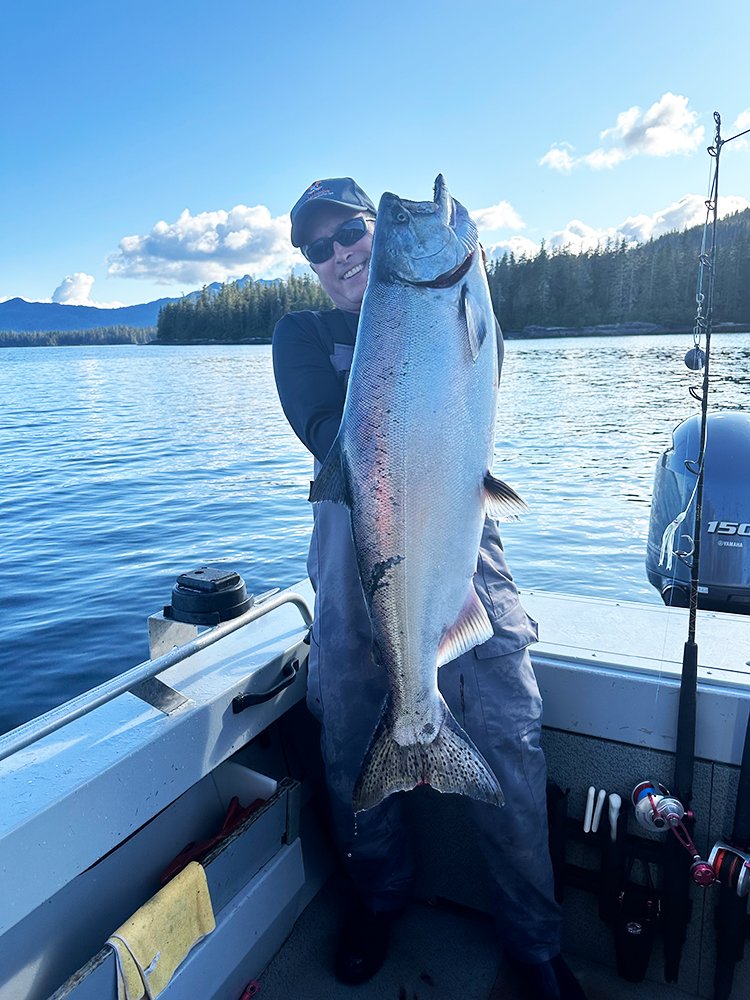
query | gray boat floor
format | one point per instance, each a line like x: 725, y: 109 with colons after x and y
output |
x: 436, y: 953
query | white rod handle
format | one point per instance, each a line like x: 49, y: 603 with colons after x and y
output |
x: 615, y: 802
x: 589, y: 809
x: 598, y: 811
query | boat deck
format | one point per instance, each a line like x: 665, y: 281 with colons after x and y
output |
x: 436, y: 953
x: 609, y: 674
x: 611, y: 669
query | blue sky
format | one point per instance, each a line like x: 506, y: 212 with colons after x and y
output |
x: 151, y: 147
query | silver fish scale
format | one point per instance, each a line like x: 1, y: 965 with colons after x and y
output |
x: 417, y: 434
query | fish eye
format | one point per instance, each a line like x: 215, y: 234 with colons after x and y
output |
x: 401, y: 217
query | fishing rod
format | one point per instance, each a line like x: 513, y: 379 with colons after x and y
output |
x: 731, y: 861
x: 679, y: 866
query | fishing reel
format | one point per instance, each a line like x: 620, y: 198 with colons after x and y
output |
x: 732, y: 866
x: 657, y: 810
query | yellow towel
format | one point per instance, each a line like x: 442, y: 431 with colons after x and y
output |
x: 152, y: 943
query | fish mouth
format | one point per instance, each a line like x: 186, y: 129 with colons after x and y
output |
x: 449, y: 278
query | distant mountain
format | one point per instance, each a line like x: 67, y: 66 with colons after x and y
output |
x: 43, y: 317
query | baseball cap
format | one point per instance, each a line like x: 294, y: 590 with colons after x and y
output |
x: 332, y: 191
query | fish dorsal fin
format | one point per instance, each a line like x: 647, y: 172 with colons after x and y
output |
x: 476, y: 321
x: 453, y: 214
x: 471, y: 628
x: 464, y: 227
x: 332, y: 482
x: 502, y: 501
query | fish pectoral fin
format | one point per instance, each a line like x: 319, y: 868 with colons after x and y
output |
x: 470, y: 629
x: 500, y: 349
x: 332, y: 482
x: 476, y: 321
x: 502, y: 501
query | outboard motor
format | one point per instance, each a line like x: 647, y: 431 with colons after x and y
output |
x: 724, y: 580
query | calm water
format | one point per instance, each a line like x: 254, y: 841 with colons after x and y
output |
x: 125, y: 466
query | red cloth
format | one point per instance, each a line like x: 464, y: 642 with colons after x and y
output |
x: 197, y: 850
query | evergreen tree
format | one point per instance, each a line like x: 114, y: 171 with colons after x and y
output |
x: 653, y: 282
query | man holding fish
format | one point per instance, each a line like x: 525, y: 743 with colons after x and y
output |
x: 419, y: 670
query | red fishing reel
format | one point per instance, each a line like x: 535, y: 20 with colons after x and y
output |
x: 732, y: 866
x: 656, y: 810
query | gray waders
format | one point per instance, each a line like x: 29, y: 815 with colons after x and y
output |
x: 493, y: 694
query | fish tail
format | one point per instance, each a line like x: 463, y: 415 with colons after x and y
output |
x: 449, y: 763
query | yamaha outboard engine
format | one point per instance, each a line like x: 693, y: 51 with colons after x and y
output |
x: 724, y: 577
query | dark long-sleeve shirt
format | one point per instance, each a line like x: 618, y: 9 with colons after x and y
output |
x: 312, y: 354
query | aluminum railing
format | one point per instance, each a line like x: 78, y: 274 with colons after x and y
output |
x: 58, y: 717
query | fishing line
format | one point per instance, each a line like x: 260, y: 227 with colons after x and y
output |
x: 697, y: 359
x: 676, y: 545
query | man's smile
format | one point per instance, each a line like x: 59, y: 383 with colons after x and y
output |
x: 352, y: 271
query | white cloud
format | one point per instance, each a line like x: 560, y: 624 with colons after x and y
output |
x: 689, y: 211
x: 500, y: 216
x: 209, y: 246
x: 669, y: 127
x: 75, y: 290
x: 603, y: 159
x: 741, y: 124
x: 559, y: 158
x: 519, y: 246
x: 579, y: 237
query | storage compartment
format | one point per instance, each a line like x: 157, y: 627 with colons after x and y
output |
x: 80, y: 917
x: 231, y: 778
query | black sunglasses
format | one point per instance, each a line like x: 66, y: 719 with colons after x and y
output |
x: 348, y: 233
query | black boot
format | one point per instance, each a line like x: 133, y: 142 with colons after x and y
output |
x: 551, y: 980
x: 363, y: 943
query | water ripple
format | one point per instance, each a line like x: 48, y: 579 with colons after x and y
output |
x: 125, y: 466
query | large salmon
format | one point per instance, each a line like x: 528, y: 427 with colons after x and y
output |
x: 411, y: 461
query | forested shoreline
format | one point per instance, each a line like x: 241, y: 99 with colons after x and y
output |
x: 614, y: 289
x: 99, y: 335
x: 652, y: 283
x: 648, y: 288
x: 238, y: 314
